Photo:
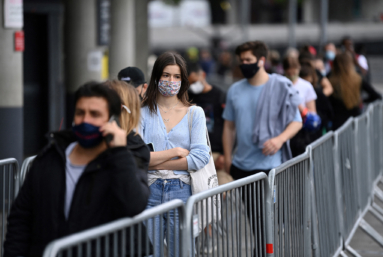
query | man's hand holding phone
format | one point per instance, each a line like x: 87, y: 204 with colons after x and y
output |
x: 118, y: 135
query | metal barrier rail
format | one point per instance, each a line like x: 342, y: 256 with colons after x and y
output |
x: 27, y: 163
x: 10, y: 185
x: 381, y: 136
x: 363, y: 160
x: 376, y: 126
x: 274, y: 212
x: 372, y: 159
x: 241, y: 206
x: 124, y: 237
x: 345, y: 170
x: 290, y: 184
x: 327, y: 240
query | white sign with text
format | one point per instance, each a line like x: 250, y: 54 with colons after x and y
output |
x: 13, y: 14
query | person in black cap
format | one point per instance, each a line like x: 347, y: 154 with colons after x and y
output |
x: 135, y: 77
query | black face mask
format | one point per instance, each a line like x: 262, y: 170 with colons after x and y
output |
x: 249, y: 70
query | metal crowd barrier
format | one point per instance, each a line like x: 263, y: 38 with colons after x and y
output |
x: 363, y: 160
x: 308, y: 206
x: 9, y: 180
x: 327, y: 240
x: 27, y: 163
x: 376, y: 126
x: 126, y: 237
x: 367, y: 156
x: 239, y: 226
x: 290, y: 184
x: 346, y: 176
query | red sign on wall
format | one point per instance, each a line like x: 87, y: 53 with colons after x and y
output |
x: 19, y: 41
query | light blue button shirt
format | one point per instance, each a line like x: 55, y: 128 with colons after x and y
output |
x: 153, y: 130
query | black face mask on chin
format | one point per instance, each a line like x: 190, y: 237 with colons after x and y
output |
x: 249, y: 70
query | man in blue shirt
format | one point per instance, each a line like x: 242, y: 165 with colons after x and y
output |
x: 240, y: 117
x: 244, y: 124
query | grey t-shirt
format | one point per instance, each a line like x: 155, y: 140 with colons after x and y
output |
x: 72, y: 174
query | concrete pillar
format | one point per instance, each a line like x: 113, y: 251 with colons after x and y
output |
x: 232, y: 13
x: 82, y: 53
x: 142, y: 37
x: 129, y: 37
x: 292, y: 22
x: 11, y: 95
x: 308, y: 11
x: 122, y: 36
x: 245, y: 19
x: 323, y: 24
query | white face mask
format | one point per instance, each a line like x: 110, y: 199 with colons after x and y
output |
x: 323, y: 72
x: 197, y: 87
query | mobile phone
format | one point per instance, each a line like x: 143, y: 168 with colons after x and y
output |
x: 114, y: 118
x: 151, y: 147
x: 109, y: 137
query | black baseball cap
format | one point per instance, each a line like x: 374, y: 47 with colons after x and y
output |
x: 132, y: 75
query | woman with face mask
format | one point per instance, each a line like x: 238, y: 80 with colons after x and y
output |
x: 164, y: 123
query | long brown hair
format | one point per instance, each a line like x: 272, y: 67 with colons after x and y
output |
x: 345, y: 80
x: 166, y: 59
x: 129, y: 98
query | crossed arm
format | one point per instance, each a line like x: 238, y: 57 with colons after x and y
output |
x: 162, y: 160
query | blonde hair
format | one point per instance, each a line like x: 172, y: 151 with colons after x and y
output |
x: 129, y: 98
x: 346, y: 81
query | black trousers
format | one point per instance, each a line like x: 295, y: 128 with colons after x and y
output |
x: 257, y: 216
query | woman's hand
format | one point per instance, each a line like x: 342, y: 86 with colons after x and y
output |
x: 181, y: 152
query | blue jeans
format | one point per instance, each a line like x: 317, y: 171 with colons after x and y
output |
x: 162, y: 191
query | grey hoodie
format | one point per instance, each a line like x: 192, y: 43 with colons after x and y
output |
x: 276, y: 108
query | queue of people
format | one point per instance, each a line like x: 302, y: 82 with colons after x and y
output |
x: 131, y: 148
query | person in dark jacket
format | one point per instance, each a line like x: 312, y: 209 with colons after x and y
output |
x: 79, y: 180
x: 348, y: 84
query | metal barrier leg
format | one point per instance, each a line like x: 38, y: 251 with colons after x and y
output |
x: 314, y: 218
x: 371, y: 232
x: 378, y: 192
x: 377, y: 208
x: 343, y: 254
x: 307, y: 213
x: 270, y: 215
x: 352, y: 251
x: 376, y: 214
